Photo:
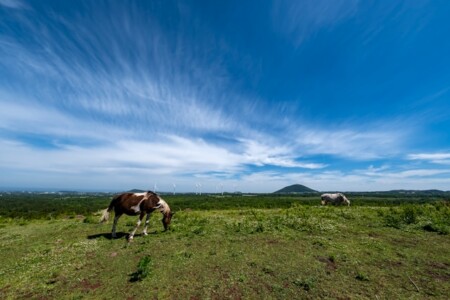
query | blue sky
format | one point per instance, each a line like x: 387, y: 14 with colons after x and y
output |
x: 237, y: 95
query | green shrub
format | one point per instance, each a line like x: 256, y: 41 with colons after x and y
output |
x: 433, y: 218
x: 143, y: 269
x: 307, y: 283
x: 361, y: 277
x: 91, y: 220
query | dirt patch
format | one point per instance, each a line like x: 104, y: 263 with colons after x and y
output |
x: 439, y: 271
x: 374, y: 235
x: 91, y: 254
x: 330, y: 264
x: 439, y: 265
x: 234, y: 292
x: 4, y: 290
x: 394, y: 264
x: 86, y: 285
x: 404, y: 242
x: 273, y: 242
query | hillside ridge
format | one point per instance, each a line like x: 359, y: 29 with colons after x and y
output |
x: 294, y: 189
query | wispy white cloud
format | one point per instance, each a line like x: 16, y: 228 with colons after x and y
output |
x: 298, y: 20
x: 352, y: 142
x: 403, y: 171
x: 270, y: 154
x: 440, y: 158
x: 419, y: 173
x: 176, y: 155
x: 17, y: 4
x: 20, y: 116
x: 150, y: 85
x: 162, y: 109
x: 430, y: 156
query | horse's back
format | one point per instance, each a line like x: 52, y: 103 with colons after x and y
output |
x: 134, y: 203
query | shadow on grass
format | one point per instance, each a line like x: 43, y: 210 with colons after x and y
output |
x: 119, y: 235
x: 108, y: 236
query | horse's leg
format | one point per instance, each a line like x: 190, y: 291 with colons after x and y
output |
x: 147, y: 220
x: 141, y: 216
x: 116, y: 218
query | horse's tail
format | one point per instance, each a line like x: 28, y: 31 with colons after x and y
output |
x: 105, y: 214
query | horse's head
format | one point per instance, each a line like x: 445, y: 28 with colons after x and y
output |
x: 167, y: 218
x: 167, y: 213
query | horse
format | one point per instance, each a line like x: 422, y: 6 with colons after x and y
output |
x: 134, y: 204
x: 335, y: 199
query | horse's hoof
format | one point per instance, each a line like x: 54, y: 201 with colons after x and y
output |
x: 145, y: 233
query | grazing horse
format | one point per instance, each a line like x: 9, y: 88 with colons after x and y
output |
x: 335, y: 199
x: 140, y: 204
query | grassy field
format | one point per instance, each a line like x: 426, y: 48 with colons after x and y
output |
x: 259, y: 247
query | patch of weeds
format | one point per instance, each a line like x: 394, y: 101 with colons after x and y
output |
x: 22, y: 222
x: 130, y: 223
x: 139, y: 250
x: 198, y: 230
x: 242, y: 278
x: 259, y: 227
x: 53, y: 278
x: 184, y: 254
x: 143, y: 269
x: 392, y: 219
x: 236, y: 226
x: 70, y: 226
x: 346, y: 215
x: 235, y: 254
x: 277, y: 288
x: 268, y: 271
x: 252, y: 264
x: 307, y: 284
x: 398, y: 218
x: 439, y: 228
x: 409, y: 215
x: 434, y: 218
x: 319, y: 244
x: 90, y: 220
x: 361, y: 277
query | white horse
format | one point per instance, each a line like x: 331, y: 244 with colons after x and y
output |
x: 335, y: 199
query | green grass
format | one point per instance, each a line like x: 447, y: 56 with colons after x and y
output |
x: 294, y: 250
x: 50, y: 206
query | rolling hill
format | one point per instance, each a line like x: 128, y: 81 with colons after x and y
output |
x: 295, y: 189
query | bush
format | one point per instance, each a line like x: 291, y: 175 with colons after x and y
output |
x: 434, y: 218
x: 307, y: 283
x: 361, y: 277
x: 143, y: 269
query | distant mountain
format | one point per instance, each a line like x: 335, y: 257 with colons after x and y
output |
x: 136, y: 191
x: 295, y: 189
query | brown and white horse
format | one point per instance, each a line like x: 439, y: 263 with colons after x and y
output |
x: 134, y: 204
